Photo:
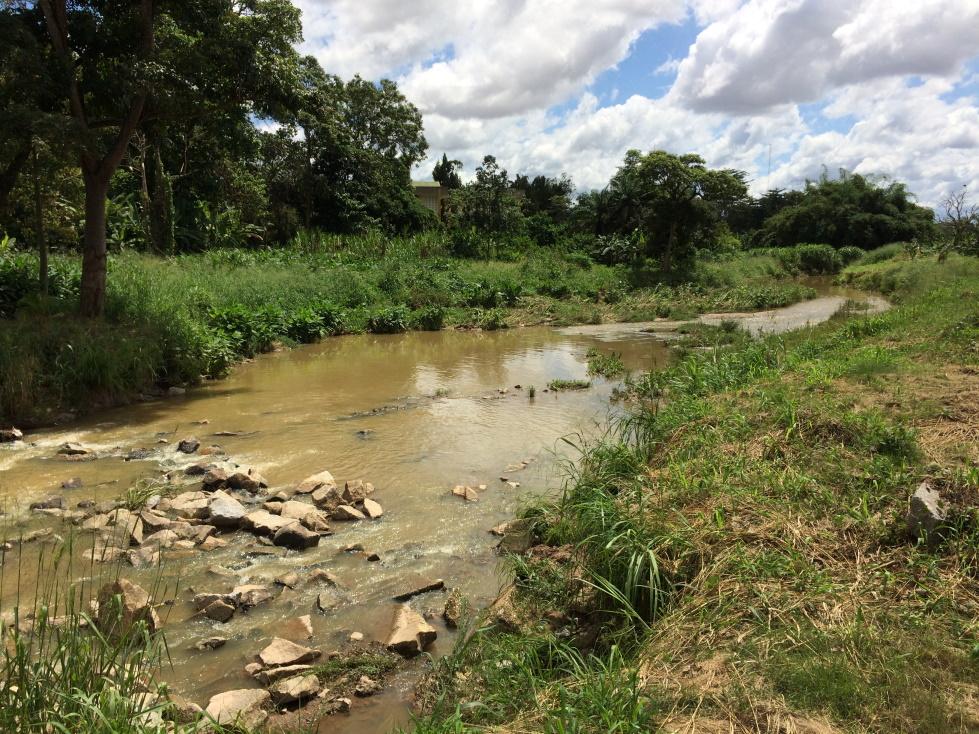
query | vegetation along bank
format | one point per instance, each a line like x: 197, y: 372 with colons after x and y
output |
x: 779, y: 536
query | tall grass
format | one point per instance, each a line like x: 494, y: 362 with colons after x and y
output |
x: 66, y: 666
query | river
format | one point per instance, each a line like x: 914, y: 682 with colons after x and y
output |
x: 414, y: 414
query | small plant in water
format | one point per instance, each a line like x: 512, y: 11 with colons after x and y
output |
x: 532, y: 392
x: 558, y: 385
x: 608, y: 366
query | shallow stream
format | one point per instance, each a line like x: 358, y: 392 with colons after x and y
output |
x: 414, y: 414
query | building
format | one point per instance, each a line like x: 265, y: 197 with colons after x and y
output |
x: 431, y: 194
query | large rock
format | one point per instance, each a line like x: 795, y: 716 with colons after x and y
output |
x: 418, y: 585
x: 154, y: 521
x: 518, y: 536
x: 318, y: 481
x: 296, y: 537
x: 262, y: 522
x: 203, y: 600
x: 348, y: 512
x: 453, y: 610
x: 219, y: 610
x: 296, y: 689
x: 188, y: 445
x: 250, y: 595
x: 357, y: 491
x: 268, y: 676
x: 467, y: 493
x: 246, y: 478
x: 121, y: 605
x: 9, y: 435
x: 307, y: 514
x: 73, y: 449
x: 160, y: 539
x: 224, y: 511
x: 281, y: 652
x: 373, y: 509
x: 927, y: 514
x: 241, y: 707
x: 54, y: 502
x: 190, y: 504
x: 213, y: 478
x: 410, y: 633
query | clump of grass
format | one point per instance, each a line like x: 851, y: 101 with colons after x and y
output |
x: 372, y: 663
x: 532, y: 392
x: 608, y: 366
x: 559, y: 385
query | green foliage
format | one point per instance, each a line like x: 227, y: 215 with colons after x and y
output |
x: 608, y: 366
x: 810, y: 259
x: 851, y: 210
x: 392, y: 320
x: 428, y: 318
x: 559, y: 385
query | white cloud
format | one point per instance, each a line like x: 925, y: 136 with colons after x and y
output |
x: 772, y: 52
x: 512, y: 78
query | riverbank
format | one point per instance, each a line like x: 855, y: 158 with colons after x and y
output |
x: 738, y: 554
x: 171, y: 323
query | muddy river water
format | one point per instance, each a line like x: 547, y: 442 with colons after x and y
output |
x: 414, y: 414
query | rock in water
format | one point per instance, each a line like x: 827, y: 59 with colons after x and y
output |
x: 295, y: 689
x: 224, y: 511
x: 188, y: 445
x: 373, y: 509
x: 242, y: 707
x: 348, y: 512
x: 357, y: 491
x: 262, y: 522
x: 123, y: 604
x: 296, y: 537
x: 452, y: 612
x: 419, y: 585
x: 282, y: 652
x: 927, y: 514
x: 72, y: 449
x: 219, y: 611
x: 410, y: 633
x: 317, y: 481
x: 9, y: 435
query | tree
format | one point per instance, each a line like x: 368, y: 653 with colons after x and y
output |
x: 675, y: 200
x: 863, y: 211
x: 140, y: 65
x: 487, y: 203
x: 961, y: 222
x: 446, y: 172
x: 544, y: 195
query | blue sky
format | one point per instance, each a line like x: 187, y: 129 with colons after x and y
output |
x: 876, y: 86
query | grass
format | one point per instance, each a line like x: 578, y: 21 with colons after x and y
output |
x: 175, y: 321
x: 66, y: 670
x: 739, y: 540
x: 561, y: 385
x: 608, y: 366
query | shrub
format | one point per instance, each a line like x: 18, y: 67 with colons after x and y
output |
x: 390, y: 320
x: 811, y: 259
x: 850, y: 254
x: 429, y: 318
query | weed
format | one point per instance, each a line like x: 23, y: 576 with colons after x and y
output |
x: 608, y: 366
x: 560, y: 385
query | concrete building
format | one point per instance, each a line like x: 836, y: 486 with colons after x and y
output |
x: 431, y: 194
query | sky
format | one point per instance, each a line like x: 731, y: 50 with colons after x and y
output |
x: 777, y: 88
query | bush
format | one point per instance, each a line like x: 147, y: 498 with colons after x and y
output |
x: 811, y: 259
x: 850, y: 254
x: 429, y: 318
x: 391, y: 320
x: 882, y: 254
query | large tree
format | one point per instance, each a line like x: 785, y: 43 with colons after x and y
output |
x: 139, y: 65
x: 446, y: 172
x: 676, y: 201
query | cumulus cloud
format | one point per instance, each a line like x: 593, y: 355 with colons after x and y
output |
x: 773, y: 52
x: 885, y: 84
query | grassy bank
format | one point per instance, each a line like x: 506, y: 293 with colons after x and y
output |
x: 175, y: 321
x: 735, y: 556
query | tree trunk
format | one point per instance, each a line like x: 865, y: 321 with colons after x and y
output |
x: 92, y: 292
x: 666, y: 261
x: 160, y: 202
x: 39, y: 235
x: 8, y: 176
